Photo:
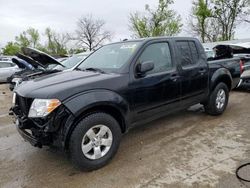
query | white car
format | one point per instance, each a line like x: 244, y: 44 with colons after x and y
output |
x: 7, y: 68
x: 73, y: 61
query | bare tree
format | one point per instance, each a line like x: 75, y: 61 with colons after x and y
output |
x: 90, y: 33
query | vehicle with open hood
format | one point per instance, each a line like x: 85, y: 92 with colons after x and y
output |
x: 231, y: 57
x: 43, y: 64
x: 121, y: 85
x: 242, y: 52
x: 14, y: 65
x: 40, y: 62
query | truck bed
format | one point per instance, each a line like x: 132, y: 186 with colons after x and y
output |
x: 233, y: 65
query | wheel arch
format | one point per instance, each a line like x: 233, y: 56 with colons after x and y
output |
x: 111, y: 104
x: 221, y: 75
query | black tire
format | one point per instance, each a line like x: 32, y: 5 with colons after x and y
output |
x: 77, y: 156
x: 211, y: 107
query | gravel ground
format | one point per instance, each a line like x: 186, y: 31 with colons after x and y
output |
x: 187, y: 149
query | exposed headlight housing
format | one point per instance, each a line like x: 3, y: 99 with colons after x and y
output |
x: 17, y: 81
x: 43, y: 107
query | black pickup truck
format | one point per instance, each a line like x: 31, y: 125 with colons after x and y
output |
x: 119, y: 86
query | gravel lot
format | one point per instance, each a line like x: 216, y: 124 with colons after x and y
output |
x: 187, y: 149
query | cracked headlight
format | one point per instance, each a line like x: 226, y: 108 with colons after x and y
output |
x: 42, y: 107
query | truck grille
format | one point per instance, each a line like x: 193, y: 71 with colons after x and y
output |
x: 24, y: 104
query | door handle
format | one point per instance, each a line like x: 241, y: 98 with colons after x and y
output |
x: 174, y: 77
x: 202, y: 70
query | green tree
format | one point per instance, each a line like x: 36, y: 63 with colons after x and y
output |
x: 215, y: 20
x: 34, y: 37
x: 201, y: 12
x: 11, y: 48
x: 22, y: 39
x: 76, y: 50
x: 28, y: 38
x: 159, y: 22
x: 56, y: 43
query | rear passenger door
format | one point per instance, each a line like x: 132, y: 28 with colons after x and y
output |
x: 193, y: 71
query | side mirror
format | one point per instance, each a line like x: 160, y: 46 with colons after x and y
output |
x: 144, y: 67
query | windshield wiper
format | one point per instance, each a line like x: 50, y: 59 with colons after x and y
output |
x: 94, y: 70
x: 78, y: 69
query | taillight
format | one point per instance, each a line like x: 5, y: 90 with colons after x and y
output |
x: 242, y: 66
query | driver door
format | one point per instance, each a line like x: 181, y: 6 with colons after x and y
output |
x: 159, y: 89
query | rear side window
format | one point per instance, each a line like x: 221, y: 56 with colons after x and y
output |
x: 189, y: 53
x: 194, y: 51
x: 5, y: 65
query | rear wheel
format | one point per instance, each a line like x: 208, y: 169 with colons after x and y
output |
x: 94, y: 141
x: 218, y: 100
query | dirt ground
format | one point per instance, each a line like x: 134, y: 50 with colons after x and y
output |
x: 187, y: 149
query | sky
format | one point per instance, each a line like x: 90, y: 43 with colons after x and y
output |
x: 62, y: 15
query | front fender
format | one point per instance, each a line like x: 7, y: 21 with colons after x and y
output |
x: 80, y: 103
x: 221, y: 74
x: 83, y: 101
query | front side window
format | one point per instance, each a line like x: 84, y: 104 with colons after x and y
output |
x: 159, y: 54
x: 111, y: 57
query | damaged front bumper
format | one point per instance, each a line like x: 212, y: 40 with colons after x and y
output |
x: 34, y: 141
x: 39, y: 131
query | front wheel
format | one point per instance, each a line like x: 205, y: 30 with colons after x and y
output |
x: 218, y: 100
x: 94, y: 141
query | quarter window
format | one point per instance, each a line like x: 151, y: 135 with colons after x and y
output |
x: 159, y: 54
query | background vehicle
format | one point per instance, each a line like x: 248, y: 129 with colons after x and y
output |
x: 242, y: 51
x: 245, y: 81
x: 7, y: 68
x: 6, y: 58
x: 43, y: 66
x: 73, y: 61
x: 245, y: 77
x: 40, y: 62
x: 119, y: 86
x: 209, y: 53
x: 224, y: 55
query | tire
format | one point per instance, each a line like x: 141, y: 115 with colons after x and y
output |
x: 80, y: 141
x: 212, y: 107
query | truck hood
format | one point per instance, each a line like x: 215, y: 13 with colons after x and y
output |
x: 63, y: 85
x: 29, y: 60
x: 37, y: 58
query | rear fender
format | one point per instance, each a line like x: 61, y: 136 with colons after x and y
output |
x: 221, y: 75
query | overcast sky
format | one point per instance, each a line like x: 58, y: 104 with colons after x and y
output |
x: 61, y: 15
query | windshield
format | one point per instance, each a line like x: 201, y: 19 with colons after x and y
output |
x: 110, y: 57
